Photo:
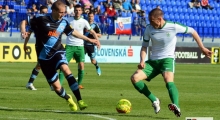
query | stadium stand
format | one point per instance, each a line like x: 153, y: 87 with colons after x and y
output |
x: 204, y: 21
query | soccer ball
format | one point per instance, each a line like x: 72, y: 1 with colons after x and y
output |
x: 123, y: 106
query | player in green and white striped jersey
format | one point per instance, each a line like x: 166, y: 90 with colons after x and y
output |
x: 162, y: 34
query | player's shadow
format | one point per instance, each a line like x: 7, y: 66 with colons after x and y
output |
x: 81, y: 112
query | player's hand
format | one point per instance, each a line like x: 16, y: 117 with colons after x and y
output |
x: 98, y: 45
x: 141, y: 65
x: 24, y: 35
x: 207, y: 52
x: 25, y: 48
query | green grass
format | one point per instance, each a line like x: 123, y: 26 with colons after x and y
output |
x: 198, y: 86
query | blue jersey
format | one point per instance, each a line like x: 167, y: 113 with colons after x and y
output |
x: 94, y: 27
x: 48, y: 34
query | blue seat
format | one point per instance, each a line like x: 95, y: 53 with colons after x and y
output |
x: 169, y: 9
x: 178, y: 3
x: 164, y: 9
x: 176, y: 15
x: 201, y: 17
x: 204, y: 11
x: 129, y: 14
x: 185, y: 10
x: 181, y: 17
x: 175, y: 10
x: 179, y: 9
x: 124, y: 14
x: 153, y: 2
x: 173, y: 3
x: 211, y: 18
x: 186, y: 16
x: 166, y: 17
x: 147, y: 2
x: 196, y: 18
x: 172, y: 18
x: 142, y: 2
x: 190, y: 11
x: 144, y: 8
x: 199, y: 11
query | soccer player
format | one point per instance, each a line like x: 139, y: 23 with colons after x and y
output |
x: 89, y: 47
x: 162, y: 60
x: 75, y: 46
x: 48, y: 30
x: 26, y: 35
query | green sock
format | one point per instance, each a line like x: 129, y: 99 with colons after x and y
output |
x: 61, y: 77
x: 142, y: 88
x: 80, y: 76
x: 173, y: 92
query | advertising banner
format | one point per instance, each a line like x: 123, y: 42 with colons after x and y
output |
x: 13, y: 52
x: 123, y: 25
x: 216, y: 55
x: 190, y: 55
x: 117, y: 54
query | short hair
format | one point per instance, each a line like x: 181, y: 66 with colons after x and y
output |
x: 43, y: 7
x: 78, y: 6
x: 56, y: 5
x: 91, y: 12
x: 156, y: 12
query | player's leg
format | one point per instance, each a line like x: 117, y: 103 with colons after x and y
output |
x: 73, y: 86
x: 91, y: 53
x: 148, y: 73
x: 33, y: 76
x: 80, y: 59
x: 168, y: 69
x: 69, y: 55
x: 49, y: 69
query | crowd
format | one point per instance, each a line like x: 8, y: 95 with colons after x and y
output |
x: 106, y: 11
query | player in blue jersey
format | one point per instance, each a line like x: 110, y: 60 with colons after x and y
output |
x: 25, y: 35
x: 90, y: 47
x: 48, y: 30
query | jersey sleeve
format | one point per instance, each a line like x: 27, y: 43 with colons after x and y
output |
x: 87, y: 25
x: 31, y: 23
x: 97, y: 29
x: 146, y: 37
x: 180, y: 28
x: 68, y: 29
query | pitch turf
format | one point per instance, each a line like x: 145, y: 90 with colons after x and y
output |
x: 198, y: 86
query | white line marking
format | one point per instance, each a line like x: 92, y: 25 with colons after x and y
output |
x: 99, y: 116
x: 40, y: 110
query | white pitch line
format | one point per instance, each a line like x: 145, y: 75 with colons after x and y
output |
x: 58, y: 111
x: 99, y: 116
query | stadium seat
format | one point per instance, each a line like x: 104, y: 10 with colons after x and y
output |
x: 166, y: 17
x: 175, y: 10
x: 147, y: 2
x: 182, y: 16
x: 186, y: 16
x: 178, y: 3
x: 142, y: 2
x: 201, y: 17
x: 179, y: 9
x: 96, y: 3
x: 143, y: 7
x: 153, y: 2
x: 124, y: 14
x: 196, y: 18
x: 176, y: 17
x: 129, y: 14
x: 173, y: 3
x: 200, y: 11
x: 164, y: 9
x: 185, y: 10
x: 169, y: 9
x: 204, y: 11
x: 172, y: 18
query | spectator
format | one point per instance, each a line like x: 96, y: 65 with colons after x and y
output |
x: 136, y: 25
x: 70, y: 9
x: 205, y: 4
x: 85, y: 3
x: 5, y: 18
x: 104, y: 23
x: 107, y: 3
x: 117, y: 4
x: 142, y: 22
x: 98, y: 10
x: 137, y: 6
x: 34, y: 9
x: 127, y: 6
x: 194, y: 3
x: 111, y: 11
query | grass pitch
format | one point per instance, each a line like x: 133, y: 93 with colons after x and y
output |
x: 198, y: 86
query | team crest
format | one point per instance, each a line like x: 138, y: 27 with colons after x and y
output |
x: 120, y: 25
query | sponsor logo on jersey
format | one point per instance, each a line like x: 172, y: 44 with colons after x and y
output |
x: 53, y: 33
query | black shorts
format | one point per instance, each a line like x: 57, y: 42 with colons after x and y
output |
x: 49, y: 67
x: 90, y: 50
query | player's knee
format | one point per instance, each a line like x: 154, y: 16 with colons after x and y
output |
x: 134, y: 78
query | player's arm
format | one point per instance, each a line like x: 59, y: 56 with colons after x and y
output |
x: 23, y: 29
x: 26, y: 41
x: 81, y: 36
x: 185, y: 29
x: 143, y: 51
